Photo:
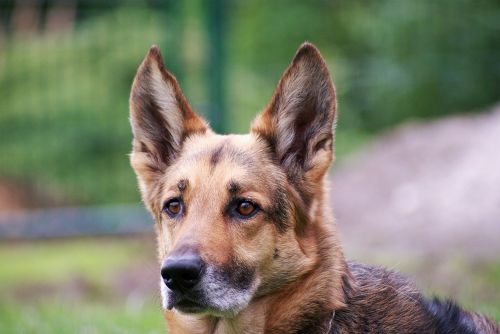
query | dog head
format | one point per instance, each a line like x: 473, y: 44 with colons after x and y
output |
x: 234, y: 214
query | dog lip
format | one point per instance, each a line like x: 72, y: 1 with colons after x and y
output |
x: 187, y: 302
x: 189, y: 306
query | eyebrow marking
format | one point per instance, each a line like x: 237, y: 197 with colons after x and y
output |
x: 216, y: 155
x: 233, y: 187
x: 182, y: 184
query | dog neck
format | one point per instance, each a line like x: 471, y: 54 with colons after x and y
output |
x: 306, y: 305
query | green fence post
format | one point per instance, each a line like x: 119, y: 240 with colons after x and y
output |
x: 173, y: 48
x: 216, y: 62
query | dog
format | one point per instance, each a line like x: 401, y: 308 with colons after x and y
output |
x: 245, y: 239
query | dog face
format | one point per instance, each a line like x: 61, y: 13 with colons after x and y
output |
x: 234, y: 213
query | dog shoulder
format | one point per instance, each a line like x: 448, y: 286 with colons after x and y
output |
x: 382, y: 301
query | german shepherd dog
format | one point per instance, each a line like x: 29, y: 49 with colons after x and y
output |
x: 245, y: 239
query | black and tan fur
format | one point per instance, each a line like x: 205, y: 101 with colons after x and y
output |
x: 282, y: 269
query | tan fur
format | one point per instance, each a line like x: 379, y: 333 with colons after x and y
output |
x: 296, y: 272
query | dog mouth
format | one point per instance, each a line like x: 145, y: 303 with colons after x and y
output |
x: 184, y: 301
x: 221, y: 301
x: 189, y: 306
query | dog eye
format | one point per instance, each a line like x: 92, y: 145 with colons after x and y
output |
x: 173, y: 207
x: 246, y: 208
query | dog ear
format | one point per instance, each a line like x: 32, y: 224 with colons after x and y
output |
x: 161, y: 119
x: 298, y: 122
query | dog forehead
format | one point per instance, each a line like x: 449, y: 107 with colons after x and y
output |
x: 244, y: 150
x: 220, y: 156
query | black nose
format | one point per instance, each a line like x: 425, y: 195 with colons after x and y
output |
x: 182, y: 272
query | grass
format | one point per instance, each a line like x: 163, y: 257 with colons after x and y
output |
x: 79, y: 286
x: 55, y: 262
x: 71, y: 317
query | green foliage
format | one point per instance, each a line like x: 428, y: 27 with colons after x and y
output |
x: 423, y: 59
x: 64, y: 118
x: 64, y: 113
x: 391, y: 60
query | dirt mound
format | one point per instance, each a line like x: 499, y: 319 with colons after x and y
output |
x: 429, y: 188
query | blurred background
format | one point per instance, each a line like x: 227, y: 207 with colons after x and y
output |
x: 415, y: 186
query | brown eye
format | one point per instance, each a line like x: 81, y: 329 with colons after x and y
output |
x: 173, y: 207
x: 246, y: 208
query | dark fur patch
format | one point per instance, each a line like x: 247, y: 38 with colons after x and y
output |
x: 216, y: 155
x: 276, y: 253
x: 226, y: 150
x: 278, y: 213
x: 448, y: 318
x: 238, y: 274
x: 298, y: 148
x: 380, y: 301
x: 233, y: 187
x: 182, y: 184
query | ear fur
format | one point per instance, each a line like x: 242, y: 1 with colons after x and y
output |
x: 298, y: 122
x: 160, y: 117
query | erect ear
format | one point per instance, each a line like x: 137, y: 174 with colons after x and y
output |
x: 298, y: 122
x: 161, y: 119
